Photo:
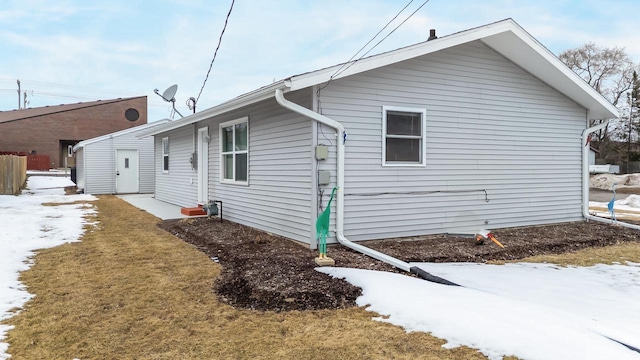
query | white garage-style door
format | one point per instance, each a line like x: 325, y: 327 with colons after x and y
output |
x: 127, y: 171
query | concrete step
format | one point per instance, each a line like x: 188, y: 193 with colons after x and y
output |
x: 193, y: 211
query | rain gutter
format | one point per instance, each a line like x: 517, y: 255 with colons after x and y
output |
x: 585, y: 179
x: 279, y: 96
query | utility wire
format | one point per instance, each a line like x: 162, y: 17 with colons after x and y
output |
x: 216, y: 52
x: 383, y: 39
x: 373, y: 38
x: 348, y: 64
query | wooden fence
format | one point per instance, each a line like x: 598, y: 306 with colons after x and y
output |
x: 38, y: 162
x: 13, y: 174
x: 34, y: 162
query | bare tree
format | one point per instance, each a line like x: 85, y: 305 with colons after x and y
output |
x: 608, y: 70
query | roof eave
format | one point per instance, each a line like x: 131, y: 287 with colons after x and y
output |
x: 140, y: 128
x: 505, y: 37
x: 525, y: 51
x: 392, y: 57
x: 263, y: 93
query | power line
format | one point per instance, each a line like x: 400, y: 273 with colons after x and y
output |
x: 216, y: 52
x: 369, y: 42
x: 349, y: 63
x: 36, y: 83
x: 383, y: 39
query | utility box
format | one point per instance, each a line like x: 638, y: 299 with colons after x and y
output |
x: 322, y: 152
x: 324, y: 177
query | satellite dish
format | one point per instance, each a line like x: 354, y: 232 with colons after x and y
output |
x: 168, y: 95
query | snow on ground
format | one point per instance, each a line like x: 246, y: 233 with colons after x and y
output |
x: 632, y: 202
x: 606, y: 181
x: 25, y: 226
x: 532, y: 311
x: 51, y: 172
x: 627, y: 208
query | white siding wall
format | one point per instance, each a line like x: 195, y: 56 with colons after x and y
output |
x: 490, y: 125
x: 146, y: 168
x: 96, y: 161
x: 278, y: 198
x: 100, y: 165
x: 80, y: 171
x: 180, y: 185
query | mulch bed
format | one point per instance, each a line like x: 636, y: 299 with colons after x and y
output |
x: 267, y: 272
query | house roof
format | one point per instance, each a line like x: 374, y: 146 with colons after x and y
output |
x: 15, y: 115
x: 505, y: 37
x: 134, y: 129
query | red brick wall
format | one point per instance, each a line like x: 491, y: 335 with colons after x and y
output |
x: 44, y: 133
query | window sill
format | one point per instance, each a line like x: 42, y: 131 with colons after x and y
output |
x: 232, y: 182
x: 403, y: 165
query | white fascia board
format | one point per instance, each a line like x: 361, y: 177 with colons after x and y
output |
x: 505, y: 37
x: 263, y: 93
x: 406, y: 53
x: 140, y: 128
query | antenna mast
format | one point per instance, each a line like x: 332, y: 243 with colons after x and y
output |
x: 18, y: 81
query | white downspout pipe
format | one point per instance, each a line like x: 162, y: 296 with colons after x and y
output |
x: 585, y: 179
x: 340, y: 182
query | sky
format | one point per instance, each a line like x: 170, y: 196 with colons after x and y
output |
x: 533, y: 311
x: 68, y: 51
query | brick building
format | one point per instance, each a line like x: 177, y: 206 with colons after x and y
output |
x: 53, y: 130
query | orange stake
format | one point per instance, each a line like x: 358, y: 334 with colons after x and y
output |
x: 490, y: 236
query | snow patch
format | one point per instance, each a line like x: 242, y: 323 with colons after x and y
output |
x: 27, y: 225
x: 631, y: 201
x: 606, y: 181
x: 532, y: 311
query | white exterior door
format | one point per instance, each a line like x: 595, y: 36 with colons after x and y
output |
x: 203, y: 165
x: 127, y: 171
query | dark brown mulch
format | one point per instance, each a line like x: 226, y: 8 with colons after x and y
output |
x: 267, y: 272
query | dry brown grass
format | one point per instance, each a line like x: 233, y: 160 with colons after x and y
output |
x: 589, y: 257
x: 622, y: 215
x: 132, y: 291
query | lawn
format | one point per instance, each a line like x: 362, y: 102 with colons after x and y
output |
x: 129, y: 290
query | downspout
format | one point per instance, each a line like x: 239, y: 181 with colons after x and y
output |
x: 340, y: 194
x: 585, y: 179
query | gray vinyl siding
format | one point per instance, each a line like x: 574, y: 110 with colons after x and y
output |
x: 80, y: 171
x: 490, y: 125
x: 146, y: 167
x: 97, y: 163
x: 100, y: 167
x: 278, y: 197
x: 180, y: 185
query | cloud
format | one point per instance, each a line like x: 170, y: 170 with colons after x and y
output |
x: 123, y: 48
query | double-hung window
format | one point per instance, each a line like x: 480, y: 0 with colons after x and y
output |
x: 403, y: 136
x: 234, y: 151
x: 165, y: 155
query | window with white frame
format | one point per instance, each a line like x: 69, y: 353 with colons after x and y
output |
x: 403, y: 136
x: 234, y: 151
x: 165, y: 154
